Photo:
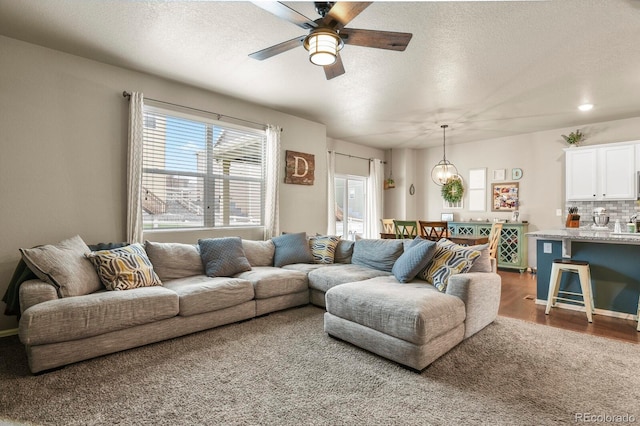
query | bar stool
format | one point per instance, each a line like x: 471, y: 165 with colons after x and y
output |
x: 581, y: 267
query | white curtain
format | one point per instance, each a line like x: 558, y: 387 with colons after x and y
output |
x: 134, y: 169
x: 272, y: 183
x: 331, y: 192
x: 374, y: 198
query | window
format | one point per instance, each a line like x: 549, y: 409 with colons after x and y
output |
x: 200, y: 172
x: 351, y: 206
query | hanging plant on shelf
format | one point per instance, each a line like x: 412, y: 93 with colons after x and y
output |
x: 574, y: 138
x: 453, y: 190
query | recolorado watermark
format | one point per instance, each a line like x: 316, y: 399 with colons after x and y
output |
x: 603, y: 418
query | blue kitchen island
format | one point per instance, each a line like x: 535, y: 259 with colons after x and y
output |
x: 614, y: 260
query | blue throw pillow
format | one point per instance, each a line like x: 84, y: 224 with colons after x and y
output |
x: 413, y: 260
x: 223, y: 257
x: 291, y: 248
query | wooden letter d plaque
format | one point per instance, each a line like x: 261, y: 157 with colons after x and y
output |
x: 300, y: 168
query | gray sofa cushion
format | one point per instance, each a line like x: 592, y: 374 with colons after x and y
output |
x: 64, y: 266
x: 174, y: 260
x: 269, y: 281
x: 259, y: 253
x: 199, y: 294
x: 483, y: 262
x: 305, y: 267
x: 291, y: 248
x: 223, y: 257
x: 377, y: 254
x: 78, y: 317
x: 344, y: 251
x: 413, y: 312
x: 332, y: 275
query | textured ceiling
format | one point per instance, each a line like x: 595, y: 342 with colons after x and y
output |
x: 487, y: 68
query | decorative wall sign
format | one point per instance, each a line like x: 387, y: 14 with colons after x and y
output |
x: 300, y: 168
x: 516, y: 173
x: 499, y: 174
x: 506, y: 196
x: 477, y: 190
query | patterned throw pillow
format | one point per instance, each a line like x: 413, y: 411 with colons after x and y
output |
x: 223, y: 257
x: 449, y: 259
x: 124, y: 268
x: 415, y: 258
x: 291, y: 248
x: 323, y: 248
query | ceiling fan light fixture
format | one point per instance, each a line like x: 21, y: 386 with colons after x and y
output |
x: 323, y: 46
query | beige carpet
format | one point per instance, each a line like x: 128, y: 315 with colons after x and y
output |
x: 283, y: 369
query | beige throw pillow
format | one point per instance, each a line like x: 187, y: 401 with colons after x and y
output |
x: 64, y: 266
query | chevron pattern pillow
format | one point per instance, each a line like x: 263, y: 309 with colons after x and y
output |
x: 449, y: 259
x: 323, y: 248
x: 124, y: 268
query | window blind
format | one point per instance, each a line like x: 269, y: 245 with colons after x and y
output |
x: 200, y: 172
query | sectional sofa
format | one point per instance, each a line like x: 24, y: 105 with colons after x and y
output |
x: 72, y: 313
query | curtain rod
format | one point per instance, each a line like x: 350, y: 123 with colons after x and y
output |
x: 359, y: 158
x: 128, y: 96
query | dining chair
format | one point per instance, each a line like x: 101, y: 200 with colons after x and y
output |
x: 434, y: 230
x: 387, y: 226
x: 406, y: 228
x: 494, y: 239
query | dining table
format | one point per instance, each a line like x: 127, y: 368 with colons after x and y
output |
x: 466, y: 240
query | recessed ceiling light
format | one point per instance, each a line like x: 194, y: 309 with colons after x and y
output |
x: 585, y: 107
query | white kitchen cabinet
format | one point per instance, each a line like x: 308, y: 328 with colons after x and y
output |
x: 601, y: 173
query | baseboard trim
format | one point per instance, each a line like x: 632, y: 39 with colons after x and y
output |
x: 7, y: 333
x: 614, y: 314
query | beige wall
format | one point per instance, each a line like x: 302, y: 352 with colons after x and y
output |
x: 354, y: 165
x: 541, y: 157
x: 63, y: 138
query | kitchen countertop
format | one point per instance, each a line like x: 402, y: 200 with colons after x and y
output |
x: 586, y: 234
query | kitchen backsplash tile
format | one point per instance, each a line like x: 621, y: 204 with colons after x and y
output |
x: 621, y: 210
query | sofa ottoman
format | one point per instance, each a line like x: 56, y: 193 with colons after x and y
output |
x: 412, y: 324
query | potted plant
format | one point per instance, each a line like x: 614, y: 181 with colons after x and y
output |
x: 574, y: 138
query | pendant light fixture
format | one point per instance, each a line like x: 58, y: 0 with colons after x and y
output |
x: 444, y: 171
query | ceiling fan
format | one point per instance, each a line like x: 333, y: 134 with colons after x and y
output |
x: 327, y: 34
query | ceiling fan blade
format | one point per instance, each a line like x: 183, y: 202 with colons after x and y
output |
x: 277, y: 49
x: 334, y: 70
x: 378, y: 39
x: 342, y: 13
x: 285, y: 12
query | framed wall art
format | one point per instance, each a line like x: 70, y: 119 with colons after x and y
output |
x: 477, y: 190
x: 499, y: 174
x: 505, y: 196
x: 299, y: 168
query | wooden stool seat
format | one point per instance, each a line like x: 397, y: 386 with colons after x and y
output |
x: 580, y: 267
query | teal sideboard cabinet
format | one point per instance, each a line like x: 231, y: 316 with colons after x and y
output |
x: 512, y: 250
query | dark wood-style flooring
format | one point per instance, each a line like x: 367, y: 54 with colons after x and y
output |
x: 518, y: 301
